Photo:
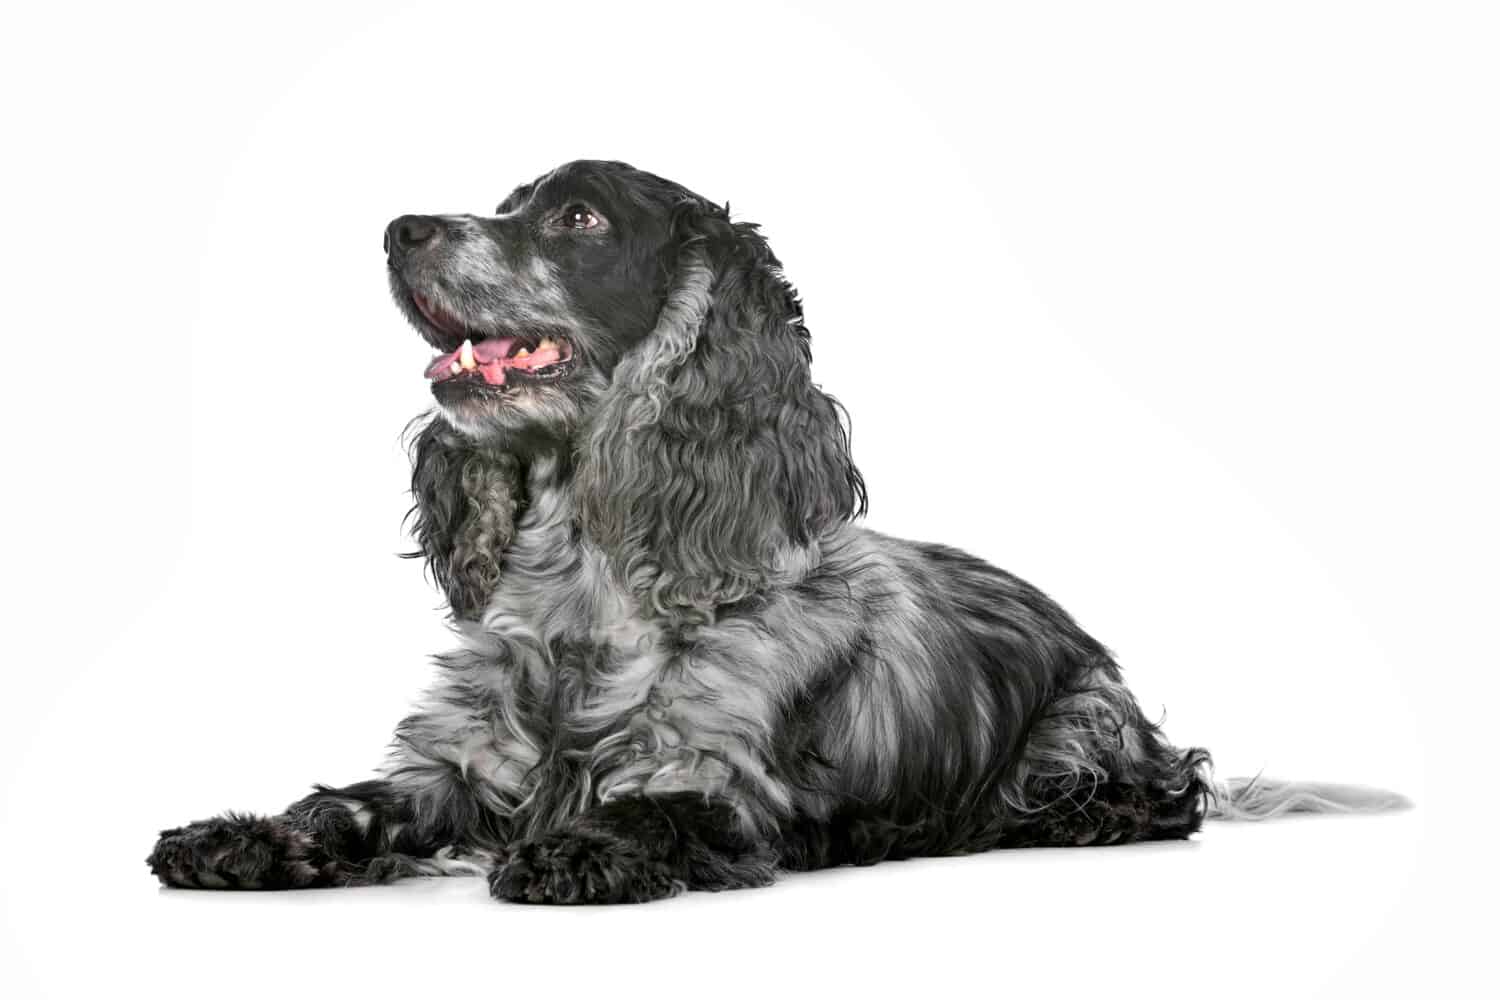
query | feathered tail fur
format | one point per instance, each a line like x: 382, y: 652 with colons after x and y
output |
x: 1260, y: 798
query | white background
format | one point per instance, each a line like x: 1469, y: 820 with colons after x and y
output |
x: 1185, y: 312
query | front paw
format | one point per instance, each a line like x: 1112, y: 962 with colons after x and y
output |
x: 579, y: 867
x: 238, y: 852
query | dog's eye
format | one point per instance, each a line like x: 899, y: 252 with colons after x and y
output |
x: 579, y: 217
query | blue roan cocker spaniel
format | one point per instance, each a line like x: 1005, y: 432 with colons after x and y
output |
x: 682, y: 664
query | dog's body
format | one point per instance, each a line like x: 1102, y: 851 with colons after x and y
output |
x: 682, y: 663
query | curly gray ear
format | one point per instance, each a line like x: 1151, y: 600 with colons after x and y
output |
x: 463, y: 515
x: 714, y: 459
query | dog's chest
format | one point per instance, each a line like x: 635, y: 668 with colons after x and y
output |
x: 569, y: 674
x: 565, y: 630
x: 583, y: 698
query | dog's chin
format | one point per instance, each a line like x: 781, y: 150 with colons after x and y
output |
x: 473, y: 395
x: 517, y: 418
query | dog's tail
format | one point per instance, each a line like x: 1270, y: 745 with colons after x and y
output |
x: 1260, y: 798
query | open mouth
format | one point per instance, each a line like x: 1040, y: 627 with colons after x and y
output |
x: 497, y: 361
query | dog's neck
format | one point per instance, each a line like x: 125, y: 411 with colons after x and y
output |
x: 548, y: 469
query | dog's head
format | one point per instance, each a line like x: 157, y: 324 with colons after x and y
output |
x: 532, y: 308
x: 629, y: 319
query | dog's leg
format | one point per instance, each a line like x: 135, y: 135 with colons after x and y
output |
x: 444, y: 804
x: 635, y: 849
x: 1092, y: 771
x: 1095, y: 771
x: 373, y: 831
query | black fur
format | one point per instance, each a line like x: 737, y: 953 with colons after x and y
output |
x: 316, y: 842
x: 633, y: 851
x: 682, y: 666
x: 740, y: 436
x: 467, y: 499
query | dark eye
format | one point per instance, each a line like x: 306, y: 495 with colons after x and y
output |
x: 578, y: 217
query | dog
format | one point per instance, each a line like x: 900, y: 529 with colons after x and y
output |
x: 682, y: 663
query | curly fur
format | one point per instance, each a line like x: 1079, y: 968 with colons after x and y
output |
x: 467, y: 498
x: 715, y: 456
x: 682, y: 662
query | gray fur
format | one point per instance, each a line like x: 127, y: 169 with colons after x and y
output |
x: 1261, y: 798
x: 681, y: 660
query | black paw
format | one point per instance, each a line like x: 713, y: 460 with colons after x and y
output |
x: 579, y: 867
x: 239, y: 852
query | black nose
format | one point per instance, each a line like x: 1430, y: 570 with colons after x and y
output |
x: 408, y: 233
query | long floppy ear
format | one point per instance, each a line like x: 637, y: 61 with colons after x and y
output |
x: 463, y: 515
x: 714, y: 460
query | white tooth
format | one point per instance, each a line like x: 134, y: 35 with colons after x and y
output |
x: 546, y: 343
x: 455, y: 368
x: 466, y: 355
x: 523, y: 353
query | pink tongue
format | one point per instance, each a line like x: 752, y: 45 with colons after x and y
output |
x: 493, y: 349
x: 488, y: 354
x: 442, y: 367
x: 490, y: 360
